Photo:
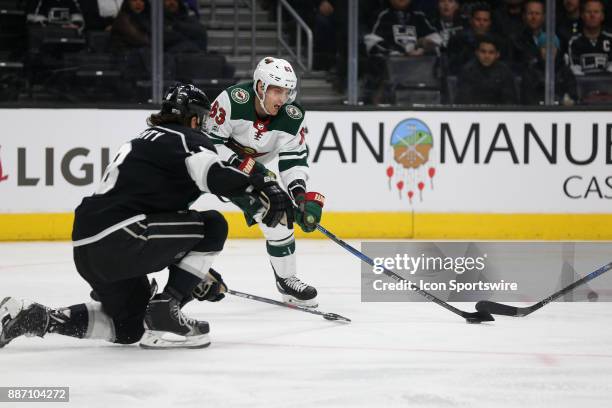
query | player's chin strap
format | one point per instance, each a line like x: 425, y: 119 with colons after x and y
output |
x: 262, y: 100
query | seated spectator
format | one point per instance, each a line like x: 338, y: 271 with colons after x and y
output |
x: 132, y: 27
x: 182, y: 32
x: 448, y: 21
x: 58, y: 13
x: 525, y: 45
x: 462, y: 46
x: 325, y: 34
x: 400, y: 30
x: 507, y: 19
x: 534, y: 77
x: 100, y: 14
x: 486, y: 80
x: 468, y: 5
x: 590, y: 52
x: 568, y: 22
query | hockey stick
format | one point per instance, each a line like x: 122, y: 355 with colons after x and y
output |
x: 328, y: 316
x: 470, y: 317
x: 487, y: 306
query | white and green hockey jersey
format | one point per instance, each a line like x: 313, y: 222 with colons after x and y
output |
x: 234, y: 128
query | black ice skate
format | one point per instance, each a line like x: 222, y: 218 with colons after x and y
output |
x: 297, y: 292
x: 21, y: 318
x: 167, y: 326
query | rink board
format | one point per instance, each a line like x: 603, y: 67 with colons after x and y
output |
x: 391, y: 174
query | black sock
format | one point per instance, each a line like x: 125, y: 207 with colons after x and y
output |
x: 69, y: 321
x: 181, y: 283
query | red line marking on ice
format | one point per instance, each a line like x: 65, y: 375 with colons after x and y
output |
x: 547, y: 359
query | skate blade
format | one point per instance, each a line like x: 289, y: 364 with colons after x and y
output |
x: 310, y: 303
x: 159, y: 340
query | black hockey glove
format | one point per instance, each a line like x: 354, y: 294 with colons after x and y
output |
x: 211, y: 289
x: 278, y: 207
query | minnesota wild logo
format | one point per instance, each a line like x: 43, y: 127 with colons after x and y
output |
x: 293, y: 112
x: 240, y: 96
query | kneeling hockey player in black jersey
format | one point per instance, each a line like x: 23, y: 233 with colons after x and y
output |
x: 138, y: 222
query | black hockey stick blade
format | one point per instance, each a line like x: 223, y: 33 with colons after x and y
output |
x: 487, y: 306
x: 326, y: 316
x: 334, y: 316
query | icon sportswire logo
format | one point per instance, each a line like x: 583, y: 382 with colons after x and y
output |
x: 3, y: 177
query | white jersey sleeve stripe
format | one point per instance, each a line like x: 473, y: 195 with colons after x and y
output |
x: 198, y: 166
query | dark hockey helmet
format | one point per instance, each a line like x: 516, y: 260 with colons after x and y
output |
x: 186, y: 100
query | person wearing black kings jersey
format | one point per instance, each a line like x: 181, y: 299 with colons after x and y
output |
x: 138, y: 222
x: 399, y: 30
x: 590, y: 52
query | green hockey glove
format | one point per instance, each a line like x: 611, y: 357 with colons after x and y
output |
x: 309, y: 211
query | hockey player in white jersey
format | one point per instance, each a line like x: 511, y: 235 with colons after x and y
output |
x: 261, y: 120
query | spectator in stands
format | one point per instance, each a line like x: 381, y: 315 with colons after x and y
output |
x: 462, y: 46
x: 534, y: 77
x: 325, y: 33
x: 507, y: 19
x: 448, y: 21
x: 182, y: 32
x: 468, y: 5
x: 59, y: 13
x: 486, y: 80
x: 568, y: 22
x: 525, y: 45
x: 590, y: 52
x: 132, y: 27
x: 399, y: 30
x: 100, y: 14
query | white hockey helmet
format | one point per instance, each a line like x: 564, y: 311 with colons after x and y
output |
x: 277, y: 72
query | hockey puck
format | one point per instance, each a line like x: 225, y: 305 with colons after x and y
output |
x: 473, y: 320
x: 592, y: 296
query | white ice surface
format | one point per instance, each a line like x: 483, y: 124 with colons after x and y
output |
x: 393, y: 354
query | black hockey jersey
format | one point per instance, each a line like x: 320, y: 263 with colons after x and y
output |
x: 397, y: 31
x: 149, y: 174
x: 591, y: 57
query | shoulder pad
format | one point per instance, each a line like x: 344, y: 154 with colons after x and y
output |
x: 241, y: 97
